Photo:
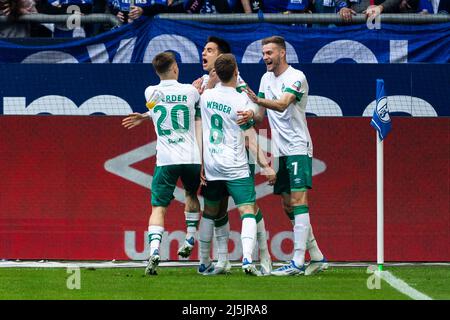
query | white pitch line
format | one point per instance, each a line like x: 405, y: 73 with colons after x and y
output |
x: 403, y: 287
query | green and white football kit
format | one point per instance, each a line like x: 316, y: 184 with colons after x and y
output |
x: 178, y: 155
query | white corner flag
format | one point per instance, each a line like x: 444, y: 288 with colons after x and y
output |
x: 381, y: 121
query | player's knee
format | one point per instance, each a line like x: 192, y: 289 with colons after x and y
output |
x: 299, y: 198
x: 192, y: 204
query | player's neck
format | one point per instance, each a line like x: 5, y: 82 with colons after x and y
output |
x: 281, y: 69
x: 168, y: 78
x: 231, y: 84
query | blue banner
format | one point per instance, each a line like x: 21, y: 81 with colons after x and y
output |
x: 418, y: 90
x: 144, y: 38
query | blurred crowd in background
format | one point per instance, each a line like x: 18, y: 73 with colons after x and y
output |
x: 129, y: 10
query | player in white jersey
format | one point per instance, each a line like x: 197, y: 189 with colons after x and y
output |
x: 284, y: 92
x: 220, y: 226
x: 225, y: 160
x: 176, y: 119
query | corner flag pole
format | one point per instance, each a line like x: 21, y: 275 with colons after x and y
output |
x: 380, y: 203
x: 381, y: 121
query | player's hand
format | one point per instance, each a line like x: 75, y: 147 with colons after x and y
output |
x: 133, y: 120
x: 270, y: 175
x: 135, y: 12
x: 244, y: 117
x: 252, y: 96
x: 346, y: 14
x: 213, y: 79
x: 198, y: 85
x: 202, y: 177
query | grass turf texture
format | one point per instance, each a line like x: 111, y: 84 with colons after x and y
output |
x: 184, y: 283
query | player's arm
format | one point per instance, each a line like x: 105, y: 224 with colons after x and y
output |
x: 249, y: 115
x: 135, y: 119
x: 199, y: 138
x: 277, y: 105
x: 258, y: 154
x: 199, y: 135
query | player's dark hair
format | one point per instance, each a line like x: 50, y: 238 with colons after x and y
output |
x: 222, y: 45
x: 225, y: 66
x: 163, y: 61
x: 279, y: 41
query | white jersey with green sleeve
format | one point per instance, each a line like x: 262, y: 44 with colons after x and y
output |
x: 174, y: 121
x: 224, y: 155
x: 289, y: 129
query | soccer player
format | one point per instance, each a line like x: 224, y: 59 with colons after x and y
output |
x: 178, y: 146
x: 225, y: 161
x: 284, y: 92
x: 220, y: 226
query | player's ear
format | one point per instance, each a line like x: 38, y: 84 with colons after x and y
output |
x: 283, y: 53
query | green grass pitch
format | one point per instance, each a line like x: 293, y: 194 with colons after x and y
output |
x: 183, y: 283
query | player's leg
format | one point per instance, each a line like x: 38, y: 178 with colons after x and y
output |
x: 318, y: 261
x: 192, y: 218
x: 190, y: 177
x: 221, y: 237
x: 212, y: 195
x: 287, y: 208
x: 261, y: 238
x: 297, y: 203
x: 243, y: 193
x: 300, y: 171
x: 261, y: 233
x: 155, y: 233
x: 163, y: 185
x: 282, y: 187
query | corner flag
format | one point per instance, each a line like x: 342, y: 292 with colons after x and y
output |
x: 381, y: 119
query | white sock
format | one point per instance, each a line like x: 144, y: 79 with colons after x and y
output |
x: 248, y: 236
x: 192, y: 219
x: 301, y: 231
x: 261, y: 236
x: 154, y: 237
x: 222, y: 234
x: 206, y: 230
x: 312, y: 247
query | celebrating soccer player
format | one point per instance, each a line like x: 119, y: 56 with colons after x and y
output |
x: 284, y: 92
x: 173, y: 109
x: 220, y: 226
x: 225, y: 162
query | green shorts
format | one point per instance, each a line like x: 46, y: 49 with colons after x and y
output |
x: 252, y: 167
x: 241, y: 190
x: 294, y: 174
x: 165, y: 180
